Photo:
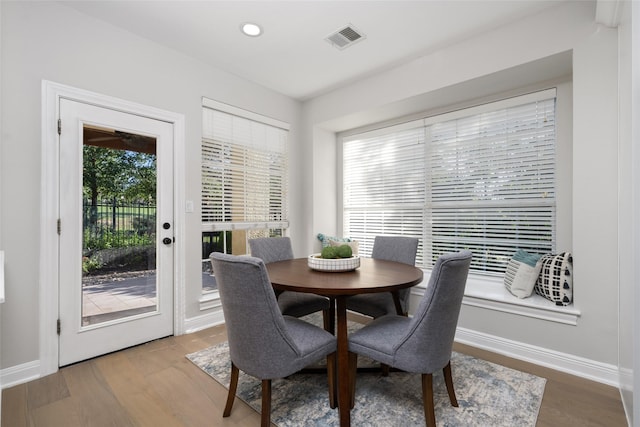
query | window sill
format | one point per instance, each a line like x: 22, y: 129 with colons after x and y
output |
x: 209, y: 300
x: 492, y: 295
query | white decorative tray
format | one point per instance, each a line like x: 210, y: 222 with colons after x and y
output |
x: 333, y: 264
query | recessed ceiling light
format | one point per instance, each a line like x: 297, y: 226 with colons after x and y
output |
x: 250, y: 29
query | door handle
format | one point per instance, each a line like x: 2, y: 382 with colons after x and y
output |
x: 167, y: 240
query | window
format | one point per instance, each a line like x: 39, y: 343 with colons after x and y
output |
x: 244, y: 180
x: 481, y: 179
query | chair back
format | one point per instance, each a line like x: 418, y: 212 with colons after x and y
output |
x: 271, y: 249
x: 395, y: 248
x: 433, y: 326
x: 399, y: 249
x: 258, y: 342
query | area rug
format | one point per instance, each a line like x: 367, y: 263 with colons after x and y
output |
x: 488, y: 395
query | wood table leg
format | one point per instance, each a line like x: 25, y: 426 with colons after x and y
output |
x: 344, y: 398
x: 396, y: 302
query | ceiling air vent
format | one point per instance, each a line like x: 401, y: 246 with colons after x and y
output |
x: 345, y: 37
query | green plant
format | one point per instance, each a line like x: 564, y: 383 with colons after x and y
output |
x: 105, y: 238
x: 329, y: 252
x: 344, y: 251
x: 90, y: 264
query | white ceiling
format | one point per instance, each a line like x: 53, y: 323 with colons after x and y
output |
x: 292, y: 57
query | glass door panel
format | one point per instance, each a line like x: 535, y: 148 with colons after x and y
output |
x: 118, y: 225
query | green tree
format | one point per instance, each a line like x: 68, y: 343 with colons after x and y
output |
x: 113, y: 174
x: 141, y: 180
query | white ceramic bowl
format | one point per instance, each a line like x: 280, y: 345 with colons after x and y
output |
x: 333, y: 264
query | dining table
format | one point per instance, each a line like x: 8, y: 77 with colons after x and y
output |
x: 372, y: 276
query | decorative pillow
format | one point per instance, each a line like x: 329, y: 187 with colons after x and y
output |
x: 555, y: 281
x: 521, y: 274
x: 354, y: 245
x: 324, y: 239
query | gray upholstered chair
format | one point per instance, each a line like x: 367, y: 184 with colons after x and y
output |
x: 423, y: 343
x: 296, y: 304
x: 392, y: 248
x: 262, y: 342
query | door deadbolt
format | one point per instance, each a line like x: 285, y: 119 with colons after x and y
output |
x: 166, y: 226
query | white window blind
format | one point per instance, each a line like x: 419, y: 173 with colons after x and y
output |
x: 384, y: 186
x: 487, y: 182
x: 244, y: 173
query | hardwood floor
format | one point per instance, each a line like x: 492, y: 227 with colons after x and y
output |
x: 155, y: 385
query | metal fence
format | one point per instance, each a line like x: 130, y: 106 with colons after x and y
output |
x: 118, y: 224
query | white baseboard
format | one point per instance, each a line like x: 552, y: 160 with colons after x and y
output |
x: 563, y: 362
x: 626, y: 392
x: 20, y: 374
x: 204, y: 321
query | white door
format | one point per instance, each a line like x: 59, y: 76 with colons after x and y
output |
x: 116, y: 230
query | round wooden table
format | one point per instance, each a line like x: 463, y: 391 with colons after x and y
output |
x: 372, y: 276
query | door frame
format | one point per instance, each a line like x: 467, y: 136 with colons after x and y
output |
x: 49, y: 198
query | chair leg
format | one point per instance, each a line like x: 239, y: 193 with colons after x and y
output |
x: 427, y: 397
x: 448, y: 379
x: 265, y: 419
x: 385, y: 369
x: 353, y: 369
x: 233, y: 385
x: 331, y: 379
